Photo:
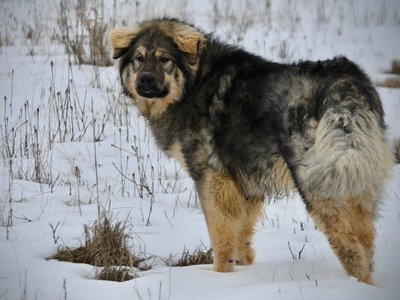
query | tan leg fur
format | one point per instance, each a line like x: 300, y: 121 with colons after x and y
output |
x: 245, y: 252
x: 230, y: 219
x: 349, y: 227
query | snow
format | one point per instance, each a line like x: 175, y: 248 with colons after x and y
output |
x: 46, y: 216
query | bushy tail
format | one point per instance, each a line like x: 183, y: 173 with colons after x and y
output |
x: 350, y: 155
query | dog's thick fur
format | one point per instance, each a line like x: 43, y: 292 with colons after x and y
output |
x: 245, y: 128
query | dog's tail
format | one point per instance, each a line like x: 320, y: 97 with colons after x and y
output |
x: 350, y: 155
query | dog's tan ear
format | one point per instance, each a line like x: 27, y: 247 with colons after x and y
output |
x: 120, y: 40
x: 190, y: 41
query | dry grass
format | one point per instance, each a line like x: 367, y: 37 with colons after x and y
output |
x: 395, y: 67
x: 394, y: 81
x: 199, y: 256
x: 118, y: 273
x: 396, y: 150
x: 105, y: 246
x: 83, y: 31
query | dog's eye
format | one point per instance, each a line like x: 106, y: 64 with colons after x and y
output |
x: 139, y: 58
x: 164, y: 59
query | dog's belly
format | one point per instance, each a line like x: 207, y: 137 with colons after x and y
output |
x: 272, y: 180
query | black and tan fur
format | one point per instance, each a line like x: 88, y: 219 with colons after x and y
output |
x: 245, y: 128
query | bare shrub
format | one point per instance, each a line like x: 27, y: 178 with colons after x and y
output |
x: 33, y: 30
x: 83, y: 31
x: 284, y: 51
x: 289, y: 18
x: 8, y: 28
x: 71, y: 34
x: 238, y: 17
x: 321, y: 16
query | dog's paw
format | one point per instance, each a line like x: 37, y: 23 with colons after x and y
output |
x: 224, y: 266
x: 246, y: 255
x: 247, y: 259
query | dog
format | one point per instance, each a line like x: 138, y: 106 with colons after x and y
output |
x: 248, y: 129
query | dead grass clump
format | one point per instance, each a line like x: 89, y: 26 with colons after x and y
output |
x: 395, y: 67
x: 392, y: 83
x: 199, y: 256
x: 118, y: 274
x: 105, y: 245
x: 396, y: 150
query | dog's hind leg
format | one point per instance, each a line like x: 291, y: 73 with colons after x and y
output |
x: 363, y: 225
x: 253, y: 211
x: 341, y: 176
x: 224, y: 207
x: 349, y: 227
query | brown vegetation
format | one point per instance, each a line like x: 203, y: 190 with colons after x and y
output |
x: 395, y: 67
x: 105, y: 246
x: 199, y: 256
x: 392, y: 82
x: 396, y: 150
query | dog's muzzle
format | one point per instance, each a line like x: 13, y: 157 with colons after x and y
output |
x: 147, y: 86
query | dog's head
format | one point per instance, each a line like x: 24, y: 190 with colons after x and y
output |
x: 157, y: 60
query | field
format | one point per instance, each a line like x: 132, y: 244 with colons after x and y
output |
x: 78, y: 163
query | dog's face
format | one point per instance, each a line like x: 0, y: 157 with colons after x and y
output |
x: 150, y: 68
x: 156, y: 62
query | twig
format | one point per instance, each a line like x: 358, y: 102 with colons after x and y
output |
x: 301, y: 251
x: 291, y: 252
x: 95, y: 162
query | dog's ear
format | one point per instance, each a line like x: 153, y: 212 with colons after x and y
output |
x: 120, y: 40
x: 189, y: 41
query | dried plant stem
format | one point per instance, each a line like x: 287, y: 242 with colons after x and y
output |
x: 95, y: 162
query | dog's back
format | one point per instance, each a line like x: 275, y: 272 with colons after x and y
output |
x: 323, y: 118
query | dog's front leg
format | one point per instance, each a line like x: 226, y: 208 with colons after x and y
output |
x: 223, y: 206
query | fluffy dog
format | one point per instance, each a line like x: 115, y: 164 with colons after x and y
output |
x: 246, y: 129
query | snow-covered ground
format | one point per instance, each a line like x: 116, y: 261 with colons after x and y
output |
x: 48, y: 184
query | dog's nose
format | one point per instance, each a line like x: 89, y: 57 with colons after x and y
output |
x: 147, y: 81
